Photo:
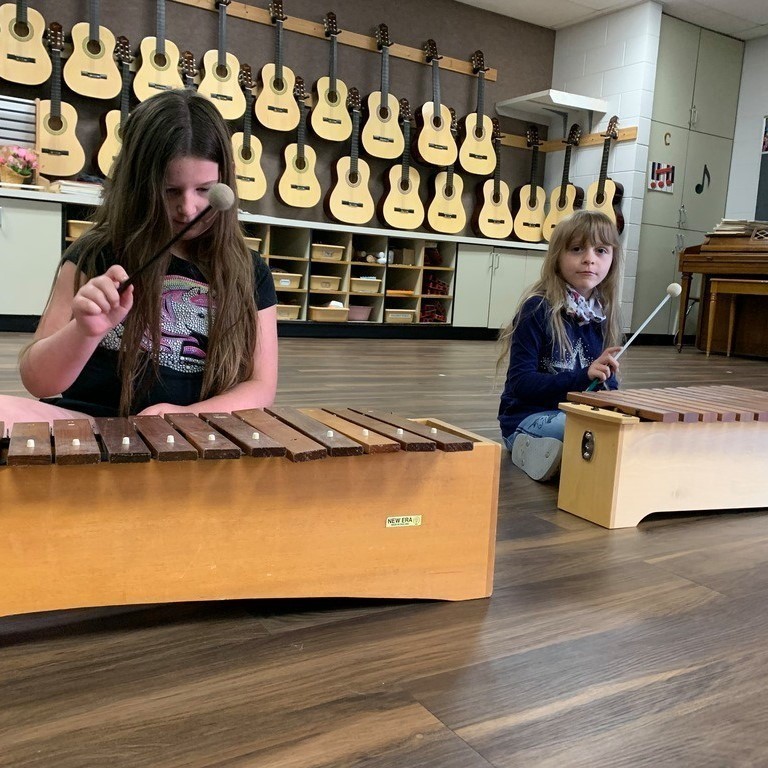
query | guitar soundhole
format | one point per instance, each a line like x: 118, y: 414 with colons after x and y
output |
x: 384, y: 114
x: 405, y: 186
x: 278, y: 85
x: 94, y: 47
x: 161, y: 61
x: 246, y: 153
x: 437, y: 122
x: 479, y: 132
x: 333, y: 97
x: 301, y: 163
x: 496, y: 199
x: 599, y: 199
x: 353, y: 179
x: 222, y: 71
x: 22, y: 30
x: 449, y: 190
x: 55, y: 124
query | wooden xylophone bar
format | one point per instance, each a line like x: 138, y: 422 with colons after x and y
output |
x: 282, y: 502
x: 629, y: 453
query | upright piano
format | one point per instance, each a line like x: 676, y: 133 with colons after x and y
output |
x: 728, y: 254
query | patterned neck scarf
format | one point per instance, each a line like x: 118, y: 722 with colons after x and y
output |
x: 584, y: 310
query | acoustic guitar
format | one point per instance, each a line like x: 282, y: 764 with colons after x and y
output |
x: 115, y: 118
x: 250, y: 179
x: 476, y: 153
x: 605, y: 195
x: 492, y: 216
x: 445, y: 212
x: 528, y: 200
x: 23, y: 57
x: 381, y: 136
x: 61, y: 154
x: 435, y: 142
x: 159, y: 61
x: 330, y: 119
x: 350, y: 199
x: 220, y: 73
x: 400, y: 206
x: 188, y: 70
x: 566, y: 198
x: 298, y: 185
x: 276, y: 108
x: 91, y: 69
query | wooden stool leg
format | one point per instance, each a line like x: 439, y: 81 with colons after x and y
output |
x: 731, y: 323
x: 711, y: 319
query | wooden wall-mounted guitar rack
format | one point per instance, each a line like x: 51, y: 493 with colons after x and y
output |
x: 556, y: 145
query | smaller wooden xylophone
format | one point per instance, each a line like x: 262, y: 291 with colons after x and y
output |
x: 628, y: 453
x: 282, y: 502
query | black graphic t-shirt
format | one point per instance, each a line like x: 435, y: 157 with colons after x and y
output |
x: 185, y: 312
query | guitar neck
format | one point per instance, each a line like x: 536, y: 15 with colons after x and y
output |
x: 301, y: 133
x: 160, y: 38
x: 566, y: 174
x: 21, y: 11
x: 436, y: 86
x: 384, y: 78
x: 332, y: 65
x: 278, y: 50
x: 406, y: 164
x: 247, y: 120
x: 125, y: 93
x: 222, y: 59
x: 603, y: 168
x: 354, y: 152
x: 497, y: 174
x: 480, y: 98
x: 56, y: 84
x: 449, y: 179
x: 534, y: 165
x: 93, y: 20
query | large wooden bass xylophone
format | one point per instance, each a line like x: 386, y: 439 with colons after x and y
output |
x: 633, y: 452
x: 281, y: 502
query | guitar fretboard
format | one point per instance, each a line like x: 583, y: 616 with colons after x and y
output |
x: 278, y: 50
x: 332, y: 65
x: 480, y: 102
x: 603, y: 172
x: 93, y: 20
x: 354, y: 153
x: 247, y: 122
x: 436, y: 86
x: 125, y: 92
x: 160, y: 14
x: 301, y: 133
x: 384, y: 79
x: 566, y: 174
x: 497, y: 174
x: 222, y: 56
x: 21, y: 11
x: 56, y: 85
x: 406, y: 165
x: 534, y: 167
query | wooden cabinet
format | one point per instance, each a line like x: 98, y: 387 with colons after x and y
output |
x: 30, y: 248
x: 698, y: 74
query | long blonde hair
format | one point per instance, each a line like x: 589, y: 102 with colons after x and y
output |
x: 133, y: 223
x: 581, y: 228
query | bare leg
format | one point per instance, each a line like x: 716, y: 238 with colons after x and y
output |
x: 13, y: 409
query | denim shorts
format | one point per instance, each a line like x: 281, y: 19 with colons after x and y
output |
x: 542, y: 424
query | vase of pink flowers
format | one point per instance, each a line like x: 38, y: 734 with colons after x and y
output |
x: 17, y: 165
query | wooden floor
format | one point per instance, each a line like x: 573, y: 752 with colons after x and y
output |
x: 641, y: 647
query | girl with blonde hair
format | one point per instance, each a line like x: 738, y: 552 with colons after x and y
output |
x: 564, y: 334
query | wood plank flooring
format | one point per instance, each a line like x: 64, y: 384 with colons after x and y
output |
x: 641, y: 647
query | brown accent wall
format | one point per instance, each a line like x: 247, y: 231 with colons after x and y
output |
x: 522, y: 53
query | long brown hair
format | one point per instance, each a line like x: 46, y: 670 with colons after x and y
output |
x: 133, y: 223
x: 581, y: 228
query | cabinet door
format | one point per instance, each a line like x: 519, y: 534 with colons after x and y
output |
x: 668, y: 144
x: 707, y: 166
x: 656, y: 269
x: 718, y: 77
x: 473, y: 286
x: 675, y: 72
x: 513, y: 272
x: 30, y: 248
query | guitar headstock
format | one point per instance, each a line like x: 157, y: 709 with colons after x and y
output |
x: 330, y: 25
x: 276, y: 11
x: 454, y: 121
x: 222, y: 3
x: 55, y: 36
x: 532, y: 137
x: 299, y: 91
x: 496, y: 132
x: 123, y: 50
x: 574, y: 135
x: 405, y: 111
x: 353, y: 100
x: 382, y: 37
x: 430, y: 50
x: 188, y: 66
x: 612, y: 131
x: 245, y: 78
x: 478, y: 62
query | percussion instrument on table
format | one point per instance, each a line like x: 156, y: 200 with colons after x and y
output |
x: 629, y: 453
x: 281, y: 502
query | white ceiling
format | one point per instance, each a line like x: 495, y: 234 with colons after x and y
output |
x: 744, y: 19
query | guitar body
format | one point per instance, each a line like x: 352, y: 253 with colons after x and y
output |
x: 222, y: 87
x: 492, y: 218
x: 401, y: 208
x: 112, y: 143
x: 331, y: 120
x: 299, y: 187
x: 275, y: 106
x: 157, y: 73
x: 92, y: 73
x: 529, y: 219
x: 23, y: 55
x: 351, y: 202
x: 251, y: 181
x: 61, y: 154
x: 381, y: 135
x: 445, y: 213
x: 574, y: 199
x: 610, y: 204
x: 433, y: 145
x: 476, y: 154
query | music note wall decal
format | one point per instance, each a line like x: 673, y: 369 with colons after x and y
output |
x: 700, y: 187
